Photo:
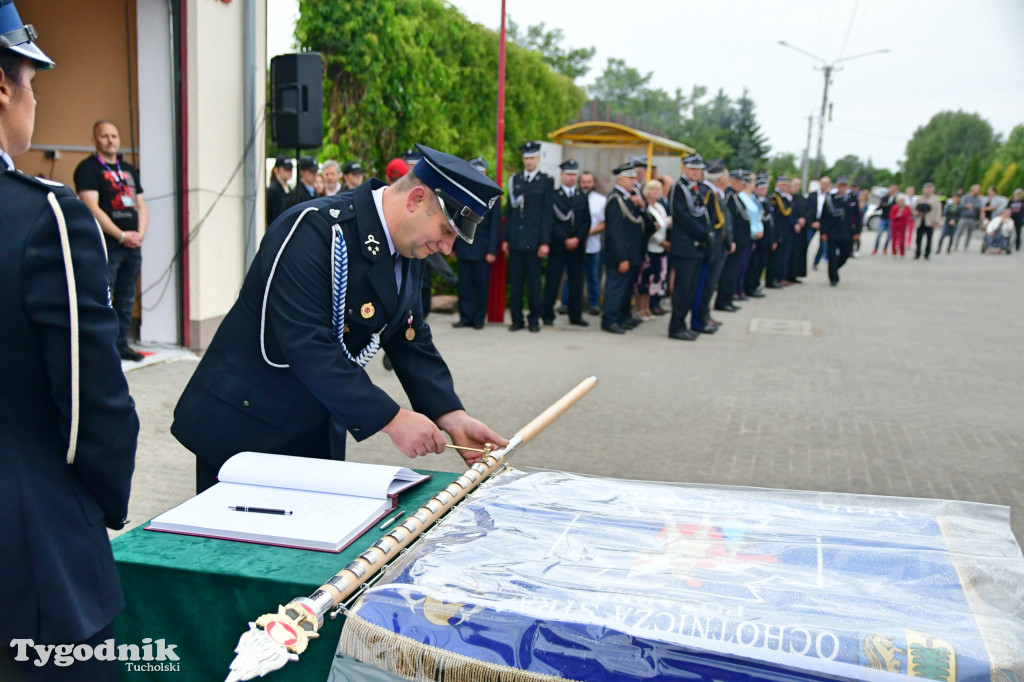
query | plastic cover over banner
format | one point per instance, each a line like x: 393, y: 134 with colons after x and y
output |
x: 552, y: 575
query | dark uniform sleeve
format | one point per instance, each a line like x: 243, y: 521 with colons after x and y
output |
x: 299, y: 307
x: 547, y: 213
x: 108, y: 426
x: 615, y: 226
x: 682, y: 220
x: 582, y: 216
x: 494, y: 215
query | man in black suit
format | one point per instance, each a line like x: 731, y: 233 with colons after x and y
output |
x: 568, y: 237
x: 284, y: 372
x: 278, y: 191
x: 68, y: 426
x: 475, y: 264
x: 528, y: 218
x: 691, y: 240
x: 304, y: 190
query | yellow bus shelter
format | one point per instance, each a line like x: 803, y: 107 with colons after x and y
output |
x: 616, y: 137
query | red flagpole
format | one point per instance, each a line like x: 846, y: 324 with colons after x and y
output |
x: 496, y: 292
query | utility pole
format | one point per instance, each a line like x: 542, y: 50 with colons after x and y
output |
x: 805, y: 161
x: 829, y: 68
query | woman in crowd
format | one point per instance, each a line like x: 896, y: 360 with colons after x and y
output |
x: 901, y: 220
x: 654, y: 271
x: 754, y: 210
x: 319, y: 185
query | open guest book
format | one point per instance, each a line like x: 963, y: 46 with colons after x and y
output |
x: 304, y: 503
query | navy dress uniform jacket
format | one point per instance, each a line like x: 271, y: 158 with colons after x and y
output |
x: 740, y: 219
x: 237, y: 401
x: 529, y: 225
x: 486, y: 239
x: 691, y: 235
x: 58, y: 582
x: 574, y: 220
x: 625, y: 232
x: 834, y: 221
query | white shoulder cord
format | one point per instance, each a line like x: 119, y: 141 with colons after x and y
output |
x: 513, y: 200
x: 339, y: 285
x: 69, y: 273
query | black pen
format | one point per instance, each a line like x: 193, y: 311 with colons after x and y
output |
x: 261, y: 510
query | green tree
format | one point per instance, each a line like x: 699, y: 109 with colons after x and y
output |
x: 397, y: 72
x: 1013, y: 149
x: 948, y: 149
x: 783, y: 164
x: 750, y: 143
x: 572, y: 63
x: 991, y: 176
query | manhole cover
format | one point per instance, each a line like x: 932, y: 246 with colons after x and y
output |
x: 782, y: 327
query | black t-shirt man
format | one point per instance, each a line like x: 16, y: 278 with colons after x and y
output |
x: 118, y: 187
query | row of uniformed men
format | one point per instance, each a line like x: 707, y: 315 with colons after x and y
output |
x: 727, y: 235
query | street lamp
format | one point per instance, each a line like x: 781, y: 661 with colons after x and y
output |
x: 829, y: 68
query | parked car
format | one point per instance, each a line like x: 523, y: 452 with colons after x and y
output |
x: 873, y: 212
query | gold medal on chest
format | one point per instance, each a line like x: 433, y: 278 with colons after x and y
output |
x: 410, y: 334
x: 366, y: 311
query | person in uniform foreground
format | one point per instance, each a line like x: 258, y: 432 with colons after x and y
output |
x: 68, y: 426
x: 336, y: 279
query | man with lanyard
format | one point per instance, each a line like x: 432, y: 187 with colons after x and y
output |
x: 528, y: 218
x: 625, y: 237
x: 335, y: 280
x: 716, y: 177
x: 110, y: 187
x: 568, y: 236
x: 836, y: 229
x: 690, y: 239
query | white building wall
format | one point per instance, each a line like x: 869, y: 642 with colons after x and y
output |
x: 216, y: 145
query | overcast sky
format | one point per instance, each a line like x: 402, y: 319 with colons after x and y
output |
x: 944, y: 55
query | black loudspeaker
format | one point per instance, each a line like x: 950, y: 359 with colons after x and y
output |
x: 297, y: 121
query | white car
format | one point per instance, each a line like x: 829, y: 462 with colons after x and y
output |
x: 873, y: 212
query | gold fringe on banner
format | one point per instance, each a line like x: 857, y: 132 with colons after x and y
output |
x: 400, y: 655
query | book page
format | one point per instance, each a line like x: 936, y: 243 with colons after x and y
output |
x: 320, y: 475
x: 318, y: 520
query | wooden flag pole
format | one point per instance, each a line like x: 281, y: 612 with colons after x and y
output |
x: 276, y: 638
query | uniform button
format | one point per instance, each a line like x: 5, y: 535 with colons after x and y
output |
x: 245, y: 403
x: 351, y: 207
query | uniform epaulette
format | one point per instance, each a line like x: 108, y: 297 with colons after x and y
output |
x: 40, y: 183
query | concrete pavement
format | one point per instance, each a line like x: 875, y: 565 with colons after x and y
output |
x: 905, y: 380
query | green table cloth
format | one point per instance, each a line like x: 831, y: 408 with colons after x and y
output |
x: 200, y: 593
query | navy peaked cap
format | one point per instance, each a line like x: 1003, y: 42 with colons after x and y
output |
x: 308, y: 163
x: 694, y: 160
x: 466, y: 194
x: 716, y: 166
x: 530, y: 148
x: 20, y: 37
x: 842, y: 180
x: 628, y: 169
x: 740, y: 174
x: 480, y: 163
x: 351, y: 167
x: 570, y: 166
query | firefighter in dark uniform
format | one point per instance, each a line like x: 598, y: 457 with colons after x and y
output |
x: 475, y: 264
x: 68, y: 426
x: 784, y: 223
x: 568, y: 238
x: 737, y: 261
x: 336, y: 279
x: 627, y: 227
x: 837, y: 228
x: 766, y: 245
x: 721, y: 236
x: 528, y: 218
x: 691, y: 240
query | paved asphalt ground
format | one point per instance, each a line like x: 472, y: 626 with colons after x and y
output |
x: 905, y: 380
